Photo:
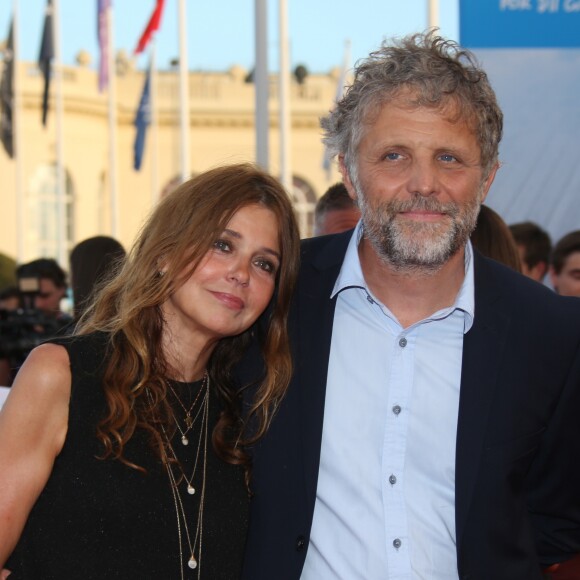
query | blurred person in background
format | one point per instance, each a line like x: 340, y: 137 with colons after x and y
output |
x: 335, y: 211
x: 9, y: 298
x: 92, y: 262
x: 50, y: 285
x: 565, y: 265
x: 493, y: 238
x: 535, y: 246
x: 41, y: 288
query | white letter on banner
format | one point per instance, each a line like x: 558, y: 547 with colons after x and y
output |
x: 515, y: 5
x: 548, y: 6
x: 571, y: 5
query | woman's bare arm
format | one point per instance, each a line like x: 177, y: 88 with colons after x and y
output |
x: 33, y: 426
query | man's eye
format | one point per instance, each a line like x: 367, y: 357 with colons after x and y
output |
x: 392, y: 156
x: 447, y: 158
x: 222, y: 245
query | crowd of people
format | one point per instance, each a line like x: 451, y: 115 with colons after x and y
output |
x: 395, y: 397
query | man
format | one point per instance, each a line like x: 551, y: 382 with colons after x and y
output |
x: 335, y: 211
x: 535, y: 246
x: 41, y: 285
x: 48, y: 288
x: 431, y: 428
x: 565, y: 266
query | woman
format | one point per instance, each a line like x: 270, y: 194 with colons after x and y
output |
x: 121, y: 446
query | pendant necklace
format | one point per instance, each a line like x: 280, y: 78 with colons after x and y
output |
x: 188, y: 420
x: 203, y: 429
x: 194, y: 544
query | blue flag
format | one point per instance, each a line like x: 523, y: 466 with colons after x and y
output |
x: 46, y: 56
x: 142, y: 121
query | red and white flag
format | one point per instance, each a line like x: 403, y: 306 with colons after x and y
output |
x: 152, y: 26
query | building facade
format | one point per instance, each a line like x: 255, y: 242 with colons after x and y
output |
x: 221, y: 130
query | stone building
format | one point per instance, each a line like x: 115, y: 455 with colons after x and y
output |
x: 221, y: 130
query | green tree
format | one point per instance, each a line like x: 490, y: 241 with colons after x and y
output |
x: 7, y: 271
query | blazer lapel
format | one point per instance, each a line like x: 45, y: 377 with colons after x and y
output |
x: 315, y: 319
x: 483, y: 347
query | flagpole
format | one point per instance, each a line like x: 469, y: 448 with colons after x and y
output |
x: 340, y: 84
x: 62, y: 248
x: 112, y: 89
x: 433, y: 10
x: 284, y: 99
x: 183, y: 92
x: 153, y: 118
x: 18, y: 158
x: 261, y: 84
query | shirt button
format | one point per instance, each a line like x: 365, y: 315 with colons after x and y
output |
x: 396, y: 409
x: 397, y: 543
x: 300, y: 543
x: 369, y: 298
x: 392, y: 480
x: 403, y: 342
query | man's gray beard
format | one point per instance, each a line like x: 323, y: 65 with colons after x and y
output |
x: 412, y: 246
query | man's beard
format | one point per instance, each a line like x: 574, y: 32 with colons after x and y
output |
x: 409, y: 245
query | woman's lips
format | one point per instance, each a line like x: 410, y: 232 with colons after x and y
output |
x: 229, y: 300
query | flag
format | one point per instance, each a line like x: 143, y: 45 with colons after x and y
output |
x: 7, y: 95
x: 152, y: 26
x: 46, y: 55
x: 340, y: 86
x: 142, y: 121
x: 103, y: 37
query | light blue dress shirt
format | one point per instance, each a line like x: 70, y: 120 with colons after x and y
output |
x: 385, y: 503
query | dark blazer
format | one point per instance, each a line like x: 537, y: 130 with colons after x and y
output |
x: 518, y: 437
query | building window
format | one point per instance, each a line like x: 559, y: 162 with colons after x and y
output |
x: 304, y: 200
x: 42, y: 214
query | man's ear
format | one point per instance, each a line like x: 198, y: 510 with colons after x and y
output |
x: 346, y: 177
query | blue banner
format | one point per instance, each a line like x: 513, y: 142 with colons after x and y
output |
x: 519, y: 23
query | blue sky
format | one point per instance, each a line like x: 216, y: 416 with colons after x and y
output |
x: 221, y: 33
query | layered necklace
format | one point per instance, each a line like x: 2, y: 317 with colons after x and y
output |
x: 195, y: 415
x: 188, y: 420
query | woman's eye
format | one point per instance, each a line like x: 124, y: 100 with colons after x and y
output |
x: 222, y: 245
x: 266, y: 265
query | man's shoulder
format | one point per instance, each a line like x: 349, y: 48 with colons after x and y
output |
x: 520, y: 292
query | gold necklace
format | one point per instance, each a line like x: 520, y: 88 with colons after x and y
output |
x: 189, y: 421
x: 192, y: 562
x: 181, y: 517
x: 203, y: 428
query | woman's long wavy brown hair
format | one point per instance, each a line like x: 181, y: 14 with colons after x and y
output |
x: 178, y: 234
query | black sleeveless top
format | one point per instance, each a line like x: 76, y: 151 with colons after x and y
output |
x: 102, y: 519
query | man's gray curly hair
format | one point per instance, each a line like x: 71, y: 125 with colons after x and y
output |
x: 431, y: 72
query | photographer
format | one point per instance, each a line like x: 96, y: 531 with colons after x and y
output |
x: 41, y: 286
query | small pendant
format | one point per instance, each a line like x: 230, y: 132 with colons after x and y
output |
x: 192, y: 563
x: 188, y: 421
x: 185, y: 440
x: 190, y: 489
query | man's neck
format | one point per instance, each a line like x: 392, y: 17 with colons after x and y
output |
x: 414, y: 294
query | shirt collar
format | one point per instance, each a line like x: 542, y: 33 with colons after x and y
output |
x: 351, y: 275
